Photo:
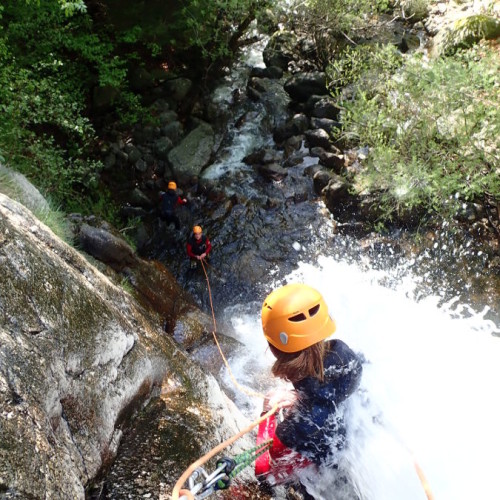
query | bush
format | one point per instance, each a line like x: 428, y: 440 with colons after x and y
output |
x: 328, y: 21
x: 432, y: 131
x: 363, y: 66
x: 467, y: 31
x: 214, y: 26
x: 49, y: 62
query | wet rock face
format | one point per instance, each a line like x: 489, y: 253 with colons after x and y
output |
x: 78, y: 356
x: 280, y: 50
x: 70, y: 351
x: 170, y: 433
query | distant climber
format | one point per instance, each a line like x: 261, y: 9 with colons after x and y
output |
x: 169, y: 201
x: 198, y: 246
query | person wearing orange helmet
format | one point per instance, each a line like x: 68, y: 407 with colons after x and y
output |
x: 198, y: 246
x: 169, y: 201
x: 324, y: 373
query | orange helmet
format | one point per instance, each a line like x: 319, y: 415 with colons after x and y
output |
x: 295, y: 317
x: 172, y: 185
x: 197, y: 229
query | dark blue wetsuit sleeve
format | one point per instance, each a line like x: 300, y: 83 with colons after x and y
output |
x: 343, y: 371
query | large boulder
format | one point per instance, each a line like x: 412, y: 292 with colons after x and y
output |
x: 464, y: 32
x: 318, y: 138
x: 105, y: 246
x: 193, y: 153
x: 303, y: 85
x: 178, y: 88
x: 18, y: 187
x: 78, y: 356
x: 280, y: 49
x: 338, y: 198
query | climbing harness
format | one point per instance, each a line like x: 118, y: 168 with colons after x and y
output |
x: 201, y: 484
x: 198, y: 463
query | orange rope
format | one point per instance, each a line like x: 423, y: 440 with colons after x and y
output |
x: 245, y: 390
x: 420, y: 473
x: 214, y: 451
x: 187, y: 473
x: 423, y: 480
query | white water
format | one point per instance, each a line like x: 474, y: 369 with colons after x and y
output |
x: 431, y: 380
x: 430, y: 383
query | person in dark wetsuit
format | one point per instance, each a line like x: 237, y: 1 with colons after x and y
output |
x: 323, y: 373
x: 169, y: 201
x: 198, y: 246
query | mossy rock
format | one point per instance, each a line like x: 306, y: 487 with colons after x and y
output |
x: 414, y: 10
x: 280, y: 50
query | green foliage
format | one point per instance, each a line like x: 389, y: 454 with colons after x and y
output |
x: 355, y: 65
x: 34, y: 112
x: 50, y: 62
x: 55, y: 219
x: 131, y: 226
x: 127, y: 285
x: 69, y: 7
x: 329, y: 21
x: 73, y: 6
x: 210, y: 25
x: 432, y: 129
x: 469, y: 30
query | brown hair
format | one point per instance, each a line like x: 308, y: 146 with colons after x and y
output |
x: 294, y: 366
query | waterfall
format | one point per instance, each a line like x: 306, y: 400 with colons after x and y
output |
x: 429, y: 393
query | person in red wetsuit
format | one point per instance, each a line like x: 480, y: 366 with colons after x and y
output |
x: 198, y: 246
x: 324, y: 373
x: 169, y: 201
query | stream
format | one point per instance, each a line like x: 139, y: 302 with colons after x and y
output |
x: 429, y: 393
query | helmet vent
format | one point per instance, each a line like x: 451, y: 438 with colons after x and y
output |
x: 298, y: 317
x: 313, y: 310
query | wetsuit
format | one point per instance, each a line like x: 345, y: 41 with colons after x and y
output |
x: 169, y: 202
x: 313, y: 426
x: 195, y: 247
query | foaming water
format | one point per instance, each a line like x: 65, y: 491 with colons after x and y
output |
x: 429, y: 394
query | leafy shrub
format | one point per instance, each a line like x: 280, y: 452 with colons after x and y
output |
x: 213, y: 25
x: 432, y: 130
x: 34, y: 111
x: 328, y: 21
x: 361, y: 63
x: 465, y: 32
x: 49, y: 63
